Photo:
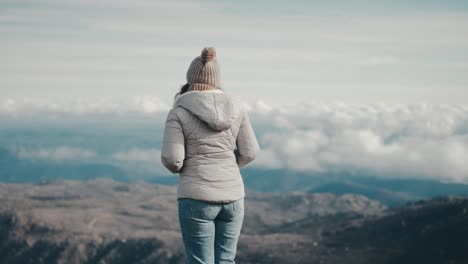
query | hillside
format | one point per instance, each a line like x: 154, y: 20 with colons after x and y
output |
x: 103, y: 221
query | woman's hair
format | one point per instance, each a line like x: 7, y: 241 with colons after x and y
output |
x: 183, y: 89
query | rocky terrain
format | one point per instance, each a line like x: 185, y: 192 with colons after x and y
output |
x: 104, y: 221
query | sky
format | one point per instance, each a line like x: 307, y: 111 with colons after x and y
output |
x: 370, y: 86
x: 279, y: 52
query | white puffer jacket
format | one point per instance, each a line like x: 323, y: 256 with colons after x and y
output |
x: 207, y: 138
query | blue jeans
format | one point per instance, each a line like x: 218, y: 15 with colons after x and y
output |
x: 210, y: 231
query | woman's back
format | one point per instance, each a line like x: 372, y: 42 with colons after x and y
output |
x: 214, y: 127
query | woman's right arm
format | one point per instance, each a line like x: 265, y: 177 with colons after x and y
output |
x: 173, y: 148
x: 247, y: 145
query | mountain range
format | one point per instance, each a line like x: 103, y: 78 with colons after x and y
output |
x: 389, y: 191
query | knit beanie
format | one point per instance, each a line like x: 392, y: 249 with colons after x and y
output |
x: 203, y: 73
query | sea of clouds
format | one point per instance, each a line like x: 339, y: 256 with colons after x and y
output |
x: 387, y: 140
x: 420, y: 140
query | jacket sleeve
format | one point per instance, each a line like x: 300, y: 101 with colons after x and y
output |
x: 247, y: 145
x: 173, y: 147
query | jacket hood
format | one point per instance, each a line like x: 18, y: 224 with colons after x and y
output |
x: 215, y: 107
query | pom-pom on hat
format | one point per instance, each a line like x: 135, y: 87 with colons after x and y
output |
x: 203, y: 72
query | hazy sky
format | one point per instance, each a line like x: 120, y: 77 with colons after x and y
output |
x: 395, y: 51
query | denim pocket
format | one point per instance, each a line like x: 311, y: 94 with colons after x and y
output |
x: 203, y: 210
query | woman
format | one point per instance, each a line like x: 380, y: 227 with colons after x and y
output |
x: 207, y: 138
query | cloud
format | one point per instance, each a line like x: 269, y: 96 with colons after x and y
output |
x: 381, y: 60
x: 61, y: 153
x: 385, y: 140
x: 149, y: 105
x: 150, y: 155
x: 140, y: 105
x: 427, y: 141
x: 140, y: 159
